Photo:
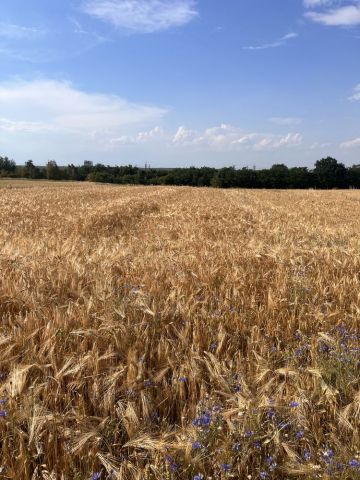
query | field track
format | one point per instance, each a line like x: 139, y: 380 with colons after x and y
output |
x: 167, y: 332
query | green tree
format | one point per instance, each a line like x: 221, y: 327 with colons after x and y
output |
x: 329, y: 173
x: 52, y: 171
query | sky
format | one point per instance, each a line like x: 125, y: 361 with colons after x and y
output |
x: 180, y: 82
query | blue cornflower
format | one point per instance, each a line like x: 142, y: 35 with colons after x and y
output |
x: 196, y: 445
x: 249, y: 433
x: 294, y: 404
x: 258, y: 444
x: 172, y: 464
x: 213, y: 346
x: 271, y: 414
x: 264, y: 475
x: 324, y: 348
x: 183, y: 379
x: 354, y: 463
x: 203, y: 421
x: 307, y: 455
x: 96, y: 476
x: 328, y: 454
x: 226, y: 467
x: 299, y: 434
x: 199, y: 476
x: 284, y: 425
x: 2, y: 402
x: 3, y: 413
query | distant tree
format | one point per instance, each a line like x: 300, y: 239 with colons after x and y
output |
x: 247, y: 178
x: 52, y: 171
x: 279, y: 176
x: 329, y: 173
x: 354, y: 176
x: 30, y: 171
x: 300, y: 177
x: 7, y: 166
x: 72, y: 172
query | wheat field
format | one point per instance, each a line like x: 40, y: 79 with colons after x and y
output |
x: 178, y: 333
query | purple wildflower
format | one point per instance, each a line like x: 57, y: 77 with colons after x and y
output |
x: 3, y: 413
x: 354, y: 463
x: 96, y: 476
x: 172, y: 464
x: 196, y: 445
x: 307, y: 455
x: 199, y: 476
x: 226, y: 467
x: 294, y: 404
x: 328, y: 454
x: 203, y: 421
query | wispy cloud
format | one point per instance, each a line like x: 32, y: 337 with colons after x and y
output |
x: 285, y: 121
x: 356, y: 96
x: 142, y: 16
x: 335, y: 13
x: 275, y: 44
x: 355, y: 143
x: 45, y: 105
x: 13, y: 31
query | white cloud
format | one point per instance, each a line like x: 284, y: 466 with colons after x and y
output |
x: 355, y: 143
x: 319, y: 3
x: 228, y: 137
x: 10, y: 126
x: 275, y: 44
x: 285, y: 121
x: 12, y: 31
x: 341, y: 16
x: 155, y: 134
x: 218, y: 139
x: 356, y: 96
x: 142, y: 16
x: 62, y: 107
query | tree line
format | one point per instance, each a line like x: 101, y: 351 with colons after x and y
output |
x: 327, y: 173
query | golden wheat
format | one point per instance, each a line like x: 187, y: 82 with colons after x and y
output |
x: 177, y: 333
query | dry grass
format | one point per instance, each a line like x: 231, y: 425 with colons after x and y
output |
x: 170, y: 333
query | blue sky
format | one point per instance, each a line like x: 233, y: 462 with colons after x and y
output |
x: 180, y: 82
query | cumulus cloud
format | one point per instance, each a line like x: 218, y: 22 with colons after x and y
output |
x: 228, y: 137
x: 219, y: 138
x: 153, y: 135
x: 275, y: 44
x: 142, y: 16
x: 335, y: 13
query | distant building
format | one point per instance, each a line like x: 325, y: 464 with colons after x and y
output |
x: 88, y: 163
